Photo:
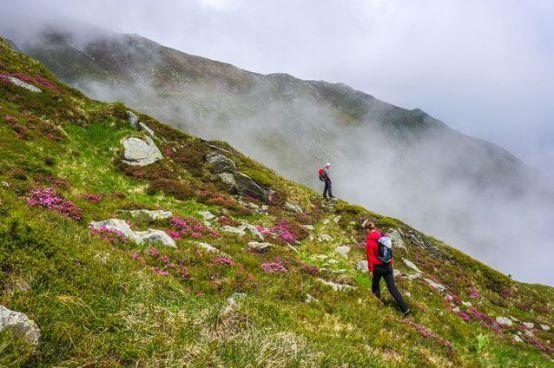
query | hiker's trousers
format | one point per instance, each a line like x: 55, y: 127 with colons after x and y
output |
x: 385, y: 271
x: 327, y: 190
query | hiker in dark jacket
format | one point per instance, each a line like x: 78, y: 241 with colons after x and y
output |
x: 324, y: 176
x: 379, y: 269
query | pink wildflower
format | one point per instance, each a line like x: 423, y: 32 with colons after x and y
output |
x: 222, y: 261
x: 474, y: 293
x: 273, y: 267
x: 50, y: 199
x: 154, y: 252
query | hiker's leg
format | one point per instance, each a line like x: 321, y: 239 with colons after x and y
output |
x: 326, y: 190
x: 389, y: 279
x: 331, y: 190
x: 375, y: 283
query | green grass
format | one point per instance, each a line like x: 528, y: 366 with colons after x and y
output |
x: 97, y: 306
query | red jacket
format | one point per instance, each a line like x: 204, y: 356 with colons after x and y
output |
x: 372, y: 249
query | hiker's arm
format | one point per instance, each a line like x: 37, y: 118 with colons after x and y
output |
x: 369, y: 253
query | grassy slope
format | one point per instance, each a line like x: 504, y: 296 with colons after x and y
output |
x: 97, y: 306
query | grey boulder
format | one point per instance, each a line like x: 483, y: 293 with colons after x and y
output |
x: 20, y: 324
x: 139, y: 237
x: 138, y: 152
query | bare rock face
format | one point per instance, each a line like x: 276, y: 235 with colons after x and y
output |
x: 18, y: 82
x: 396, y: 236
x: 220, y: 163
x: 259, y: 247
x: 227, y: 171
x: 152, y: 214
x: 343, y: 250
x: 139, y: 237
x: 20, y: 324
x: 133, y: 119
x: 293, y: 207
x: 140, y: 152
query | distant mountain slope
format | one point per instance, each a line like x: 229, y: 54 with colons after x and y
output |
x: 402, y: 162
x: 124, y: 242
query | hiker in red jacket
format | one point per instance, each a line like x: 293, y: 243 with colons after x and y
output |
x: 379, y: 269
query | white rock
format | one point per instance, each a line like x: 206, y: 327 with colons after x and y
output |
x: 362, y: 266
x: 252, y: 229
x: 435, y: 285
x: 207, y: 215
x: 18, y: 82
x: 545, y: 327
x: 139, y: 237
x: 138, y: 152
x: 504, y: 321
x: 227, y: 178
x: 293, y: 207
x: 155, y: 236
x: 20, y: 324
x: 310, y: 299
x: 396, y: 272
x: 148, y: 131
x: 324, y: 238
x: 529, y: 333
x: 413, y: 276
x: 335, y: 286
x: 309, y: 227
x: 343, y: 250
x: 5, y: 184
x: 411, y: 265
x: 396, y: 237
x: 528, y: 324
x: 517, y: 338
x: 259, y: 247
x: 332, y: 261
x: 132, y: 118
x: 152, y: 214
x: 467, y: 304
x: 336, y: 219
x: 207, y: 247
x: 321, y: 256
x: 326, y: 221
x: 233, y: 230
x: 233, y: 302
x: 408, y: 294
x: 456, y: 309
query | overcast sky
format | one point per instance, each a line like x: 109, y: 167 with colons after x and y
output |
x: 484, y: 67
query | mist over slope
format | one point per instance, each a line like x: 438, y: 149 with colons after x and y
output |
x: 401, y: 162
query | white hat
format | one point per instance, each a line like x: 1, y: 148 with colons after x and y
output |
x: 327, y: 164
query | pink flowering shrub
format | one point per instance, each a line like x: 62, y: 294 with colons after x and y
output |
x: 309, y: 269
x: 220, y: 260
x: 36, y: 80
x: 277, y: 266
x: 425, y: 332
x: 93, y: 198
x: 474, y: 293
x: 110, y: 235
x: 285, y: 231
x: 162, y: 264
x: 189, y: 227
x: 50, y: 199
x: 464, y: 316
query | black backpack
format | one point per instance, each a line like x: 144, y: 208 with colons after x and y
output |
x: 385, y: 249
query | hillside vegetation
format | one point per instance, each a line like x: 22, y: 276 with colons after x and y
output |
x: 247, y: 270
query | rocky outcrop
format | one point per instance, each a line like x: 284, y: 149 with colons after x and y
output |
x: 138, y: 152
x: 420, y: 241
x: 504, y: 321
x: 207, y: 215
x: 396, y: 237
x: 435, y: 285
x: 20, y: 324
x: 293, y: 207
x: 139, y: 237
x: 207, y: 247
x: 411, y: 265
x: 227, y: 171
x: 133, y: 119
x: 259, y: 247
x: 343, y: 250
x: 152, y: 214
x: 335, y: 286
x: 18, y: 82
x: 220, y: 163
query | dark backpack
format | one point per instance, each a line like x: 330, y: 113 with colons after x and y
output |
x: 385, y: 249
x: 321, y: 174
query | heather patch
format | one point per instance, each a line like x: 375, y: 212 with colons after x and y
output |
x: 48, y: 198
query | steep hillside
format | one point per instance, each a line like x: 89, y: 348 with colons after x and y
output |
x: 210, y: 259
x: 400, y: 162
